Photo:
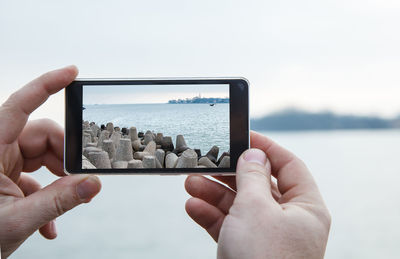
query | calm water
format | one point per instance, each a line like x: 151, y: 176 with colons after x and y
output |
x: 202, y: 125
x: 358, y: 173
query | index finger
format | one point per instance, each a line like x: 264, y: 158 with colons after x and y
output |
x: 295, y: 182
x: 15, y: 111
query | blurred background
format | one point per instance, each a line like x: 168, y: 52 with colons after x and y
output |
x: 324, y: 83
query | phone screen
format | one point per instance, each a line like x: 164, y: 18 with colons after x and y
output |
x: 156, y: 126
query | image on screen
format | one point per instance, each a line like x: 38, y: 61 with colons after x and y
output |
x: 155, y: 126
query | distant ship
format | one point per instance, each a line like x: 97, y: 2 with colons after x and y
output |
x: 212, y: 104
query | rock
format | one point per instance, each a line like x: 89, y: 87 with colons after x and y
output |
x: 120, y: 165
x: 160, y: 155
x: 136, y: 145
x: 90, y: 132
x: 110, y: 127
x: 140, y: 155
x: 180, y: 141
x: 213, y: 154
x: 180, y: 145
x: 167, y: 144
x: 87, y: 150
x: 109, y: 147
x: 142, y: 147
x: 86, y: 164
x: 188, y: 159
x: 100, y: 160
x: 135, y: 164
x: 159, y: 138
x: 85, y: 125
x: 225, y: 162
x: 205, y: 161
x: 149, y: 162
x: 91, y: 145
x: 133, y: 133
x: 141, y: 134
x: 86, y: 138
x: 198, y: 152
x: 125, y: 131
x: 103, y: 135
x: 222, y: 156
x: 150, y: 148
x: 116, y: 137
x: 201, y: 166
x: 148, y: 137
x: 124, y: 150
x: 117, y: 129
x: 171, y: 160
x: 158, y: 164
x: 158, y: 146
x: 95, y: 129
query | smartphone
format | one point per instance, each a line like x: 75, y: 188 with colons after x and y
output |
x: 156, y: 126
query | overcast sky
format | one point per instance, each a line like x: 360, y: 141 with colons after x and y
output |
x: 131, y: 94
x: 342, y: 55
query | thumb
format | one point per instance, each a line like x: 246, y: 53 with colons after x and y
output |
x: 57, y: 198
x: 253, y: 174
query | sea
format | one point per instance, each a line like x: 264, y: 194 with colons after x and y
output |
x: 358, y: 173
x: 202, y: 125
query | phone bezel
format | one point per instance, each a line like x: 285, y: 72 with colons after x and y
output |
x: 239, y: 124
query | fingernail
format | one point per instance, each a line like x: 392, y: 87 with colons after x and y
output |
x: 255, y: 156
x: 53, y: 227
x: 88, y: 188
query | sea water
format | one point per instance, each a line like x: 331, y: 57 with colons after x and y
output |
x: 202, y: 125
x: 358, y: 174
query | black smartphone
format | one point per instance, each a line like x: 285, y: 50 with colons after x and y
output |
x: 156, y: 126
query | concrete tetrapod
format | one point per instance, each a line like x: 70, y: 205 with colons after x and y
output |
x: 205, y: 161
x: 120, y: 165
x: 124, y: 150
x: 149, y: 162
x: 225, y: 162
x: 213, y: 154
x: 160, y: 155
x: 87, y: 150
x: 171, y: 160
x: 100, y: 160
x: 109, y: 147
x: 135, y: 164
x: 188, y: 159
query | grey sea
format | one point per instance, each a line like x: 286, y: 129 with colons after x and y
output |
x: 202, y: 125
x: 358, y: 173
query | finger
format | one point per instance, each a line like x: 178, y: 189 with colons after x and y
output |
x: 49, y: 230
x: 295, y: 182
x: 207, y: 216
x: 211, y: 192
x: 29, y: 185
x: 228, y: 180
x: 253, y: 176
x: 15, y: 111
x: 41, y: 143
x: 275, y: 192
x: 41, y: 207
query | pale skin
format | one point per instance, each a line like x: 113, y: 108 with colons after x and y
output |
x: 252, y: 218
x: 256, y: 218
x: 25, y: 147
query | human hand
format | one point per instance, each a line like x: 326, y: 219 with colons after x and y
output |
x: 256, y: 218
x: 24, y: 147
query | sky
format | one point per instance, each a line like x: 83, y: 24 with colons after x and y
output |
x: 339, y: 55
x: 131, y: 94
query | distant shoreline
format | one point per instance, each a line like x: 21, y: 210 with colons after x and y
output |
x: 199, y: 99
x: 298, y: 120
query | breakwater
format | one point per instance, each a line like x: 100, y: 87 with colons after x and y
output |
x: 108, y: 146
